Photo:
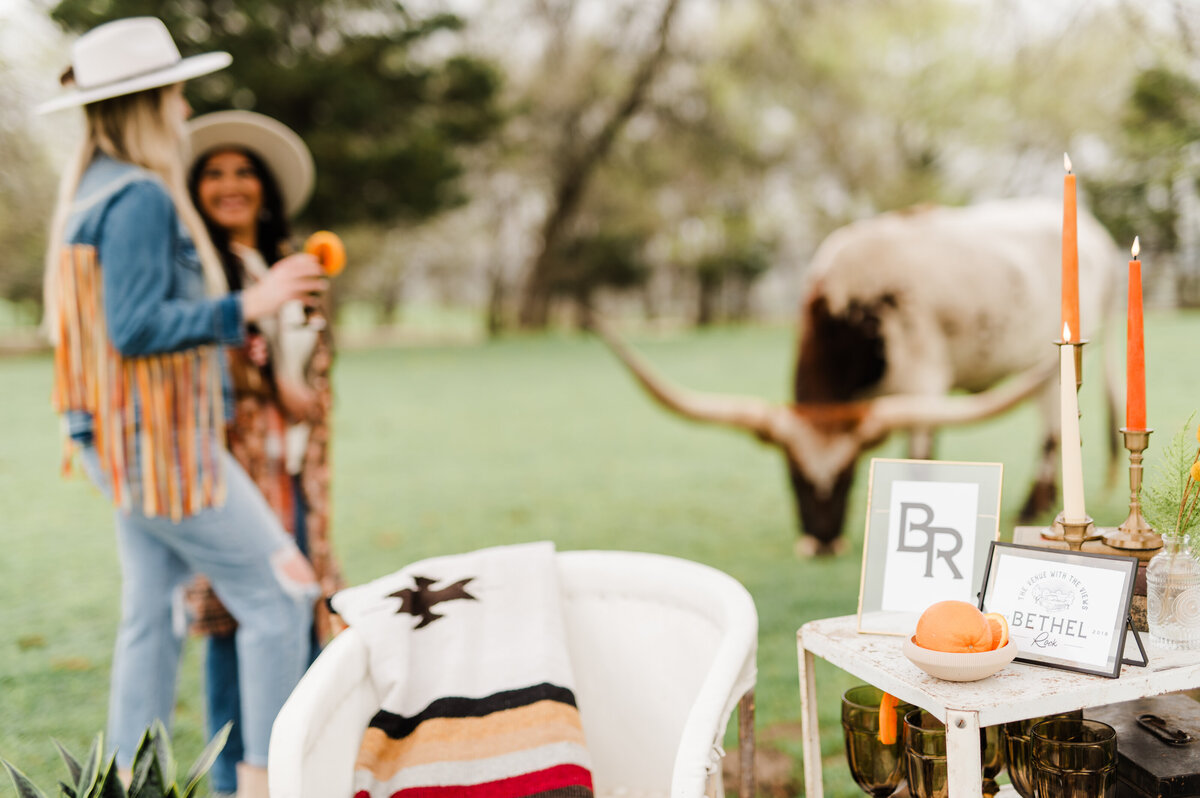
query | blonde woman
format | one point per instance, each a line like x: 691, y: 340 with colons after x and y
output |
x: 139, y: 307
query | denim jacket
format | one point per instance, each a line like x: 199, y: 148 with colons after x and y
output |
x: 154, y: 297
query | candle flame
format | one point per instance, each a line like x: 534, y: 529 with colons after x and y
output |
x: 1066, y: 332
x: 1067, y: 162
x: 1136, y: 248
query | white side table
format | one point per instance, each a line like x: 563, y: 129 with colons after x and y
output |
x: 1018, y: 692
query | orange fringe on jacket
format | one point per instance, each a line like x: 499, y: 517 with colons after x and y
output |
x: 176, y: 397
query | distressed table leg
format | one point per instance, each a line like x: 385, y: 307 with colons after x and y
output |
x: 808, y: 723
x: 963, y: 764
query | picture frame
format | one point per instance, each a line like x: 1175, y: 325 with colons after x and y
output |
x: 928, y: 526
x: 1065, y: 609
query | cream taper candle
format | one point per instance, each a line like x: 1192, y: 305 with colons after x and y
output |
x: 1072, y: 454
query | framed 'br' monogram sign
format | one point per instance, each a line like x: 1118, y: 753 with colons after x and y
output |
x: 929, y: 527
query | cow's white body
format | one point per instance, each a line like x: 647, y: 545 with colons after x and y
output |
x: 977, y: 289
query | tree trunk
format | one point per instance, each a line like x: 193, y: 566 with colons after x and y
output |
x: 706, y: 298
x: 573, y: 182
x: 495, y: 305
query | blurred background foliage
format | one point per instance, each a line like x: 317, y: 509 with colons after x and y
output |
x: 520, y: 163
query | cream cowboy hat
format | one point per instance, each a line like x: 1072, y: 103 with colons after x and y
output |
x: 126, y: 56
x: 284, y: 152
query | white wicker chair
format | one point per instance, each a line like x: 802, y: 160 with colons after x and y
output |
x: 662, y: 650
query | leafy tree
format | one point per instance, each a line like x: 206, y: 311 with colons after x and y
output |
x: 731, y: 270
x: 1155, y: 142
x: 386, y: 125
x: 580, y: 155
x: 26, y: 198
x: 588, y: 263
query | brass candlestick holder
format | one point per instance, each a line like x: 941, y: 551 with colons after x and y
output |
x: 1135, y: 534
x: 1078, y: 361
x: 1074, y: 533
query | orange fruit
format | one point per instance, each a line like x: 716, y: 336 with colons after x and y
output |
x: 999, y: 629
x: 887, y: 718
x: 953, y: 626
x: 329, y: 251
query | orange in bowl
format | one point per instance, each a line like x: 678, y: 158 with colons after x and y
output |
x: 954, y: 626
x: 999, y: 629
x: 955, y: 641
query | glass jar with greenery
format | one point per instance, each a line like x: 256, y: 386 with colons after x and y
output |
x: 1170, y: 502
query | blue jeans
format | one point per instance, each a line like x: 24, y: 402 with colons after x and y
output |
x: 221, y: 689
x: 252, y: 564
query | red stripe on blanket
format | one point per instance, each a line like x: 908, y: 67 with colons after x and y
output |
x: 526, y: 784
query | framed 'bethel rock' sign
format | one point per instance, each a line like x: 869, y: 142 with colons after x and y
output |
x: 929, y: 523
x: 1065, y: 609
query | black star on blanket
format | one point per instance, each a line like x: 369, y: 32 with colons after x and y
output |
x: 420, y: 602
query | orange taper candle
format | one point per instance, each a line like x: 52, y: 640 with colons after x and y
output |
x: 1070, y: 255
x: 1135, y: 349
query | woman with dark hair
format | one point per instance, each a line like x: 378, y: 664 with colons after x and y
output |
x: 249, y: 175
x: 139, y: 309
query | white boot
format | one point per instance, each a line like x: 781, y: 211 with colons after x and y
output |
x: 252, y: 781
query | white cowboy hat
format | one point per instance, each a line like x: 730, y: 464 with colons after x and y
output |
x: 284, y: 152
x: 126, y: 56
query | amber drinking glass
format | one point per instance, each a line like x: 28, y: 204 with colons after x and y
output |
x: 991, y: 756
x: 1018, y: 757
x: 877, y: 768
x: 1074, y: 759
x: 925, y: 756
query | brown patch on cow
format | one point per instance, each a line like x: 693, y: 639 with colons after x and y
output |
x: 841, y: 356
x: 839, y: 416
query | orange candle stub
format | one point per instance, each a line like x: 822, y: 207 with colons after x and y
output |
x: 1070, y: 254
x: 327, y: 248
x: 1135, y: 349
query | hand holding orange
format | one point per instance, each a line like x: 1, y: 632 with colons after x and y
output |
x: 329, y: 251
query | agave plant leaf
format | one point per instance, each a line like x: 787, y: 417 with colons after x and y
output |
x: 110, y: 785
x: 73, y: 766
x: 206, y: 759
x: 67, y: 790
x: 151, y: 783
x: 25, y: 787
x: 166, y: 757
x: 90, y: 771
x: 143, y: 761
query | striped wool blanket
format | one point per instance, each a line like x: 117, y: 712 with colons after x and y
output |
x: 470, y: 656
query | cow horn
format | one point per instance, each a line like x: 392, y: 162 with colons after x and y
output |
x: 909, y: 410
x: 746, y: 412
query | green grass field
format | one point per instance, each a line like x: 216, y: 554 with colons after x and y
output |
x: 442, y: 450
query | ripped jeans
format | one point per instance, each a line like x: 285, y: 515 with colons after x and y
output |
x: 258, y: 573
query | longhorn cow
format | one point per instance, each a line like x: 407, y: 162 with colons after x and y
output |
x: 899, y: 311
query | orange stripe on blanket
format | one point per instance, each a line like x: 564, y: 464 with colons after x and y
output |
x: 458, y: 740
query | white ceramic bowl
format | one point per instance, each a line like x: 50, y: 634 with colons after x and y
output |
x: 954, y: 667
